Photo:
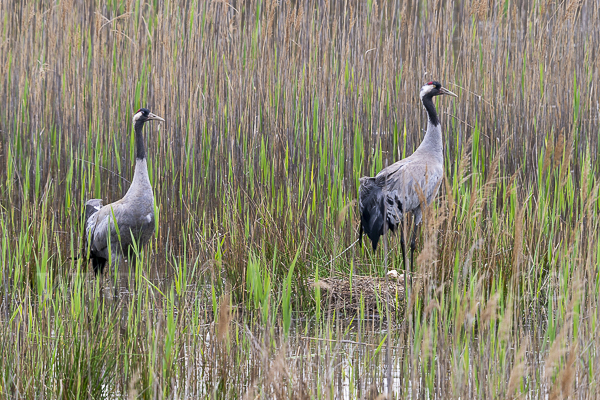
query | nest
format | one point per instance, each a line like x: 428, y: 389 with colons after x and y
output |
x: 376, y: 292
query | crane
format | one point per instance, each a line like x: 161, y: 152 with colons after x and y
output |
x: 398, y: 188
x: 115, y: 227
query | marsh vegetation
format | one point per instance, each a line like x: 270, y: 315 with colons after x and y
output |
x: 273, y: 111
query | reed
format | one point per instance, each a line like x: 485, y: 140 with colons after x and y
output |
x: 274, y: 111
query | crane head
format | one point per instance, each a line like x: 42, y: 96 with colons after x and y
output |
x: 143, y: 115
x: 434, y: 88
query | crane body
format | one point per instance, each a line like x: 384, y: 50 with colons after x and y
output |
x: 402, y: 187
x: 115, y: 227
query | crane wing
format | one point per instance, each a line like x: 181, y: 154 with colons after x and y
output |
x: 395, y: 167
x: 413, y: 182
x: 396, y: 190
x: 104, y: 229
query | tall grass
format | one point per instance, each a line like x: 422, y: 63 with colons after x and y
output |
x: 274, y: 111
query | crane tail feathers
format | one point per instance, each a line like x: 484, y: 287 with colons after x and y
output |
x: 360, y: 234
x: 375, y: 204
x: 91, y: 210
x: 98, y: 265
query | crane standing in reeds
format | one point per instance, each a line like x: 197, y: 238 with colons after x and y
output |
x: 127, y: 223
x: 399, y: 188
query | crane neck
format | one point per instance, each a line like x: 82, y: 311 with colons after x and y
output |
x: 140, y: 153
x: 432, y: 142
x: 140, y: 185
x: 431, y: 111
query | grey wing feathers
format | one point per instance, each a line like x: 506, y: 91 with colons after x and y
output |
x: 95, y: 235
x: 397, y: 189
x: 413, y: 183
x: 395, y: 167
x: 101, y: 226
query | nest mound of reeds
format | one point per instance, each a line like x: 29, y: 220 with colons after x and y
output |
x: 370, y: 293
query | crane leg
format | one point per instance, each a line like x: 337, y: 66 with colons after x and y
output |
x: 404, y: 260
x: 403, y: 246
x: 413, y: 244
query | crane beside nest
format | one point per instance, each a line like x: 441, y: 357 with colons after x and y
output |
x: 404, y: 186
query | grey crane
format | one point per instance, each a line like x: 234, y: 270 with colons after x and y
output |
x: 115, y: 227
x: 398, y: 188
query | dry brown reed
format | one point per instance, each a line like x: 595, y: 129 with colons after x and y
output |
x: 274, y: 110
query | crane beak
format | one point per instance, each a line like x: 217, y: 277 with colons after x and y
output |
x: 155, y: 117
x: 443, y: 90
